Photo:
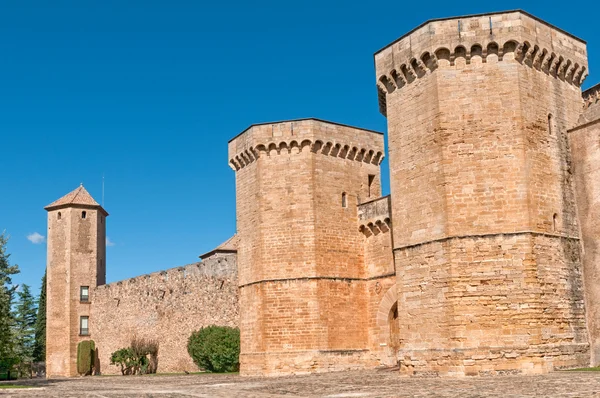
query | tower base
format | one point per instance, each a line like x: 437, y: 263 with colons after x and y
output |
x: 305, y: 362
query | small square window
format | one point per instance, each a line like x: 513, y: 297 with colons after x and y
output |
x: 84, y: 294
x: 84, y: 325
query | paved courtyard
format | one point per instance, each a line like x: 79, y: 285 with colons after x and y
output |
x: 332, y: 385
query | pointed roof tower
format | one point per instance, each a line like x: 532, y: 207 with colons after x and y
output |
x: 78, y: 197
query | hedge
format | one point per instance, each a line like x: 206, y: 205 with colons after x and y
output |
x: 85, y: 357
x: 216, y: 348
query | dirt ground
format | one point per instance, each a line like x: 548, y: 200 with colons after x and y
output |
x: 331, y: 385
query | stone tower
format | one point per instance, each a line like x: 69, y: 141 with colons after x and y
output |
x: 300, y: 256
x: 76, y: 264
x: 485, y: 234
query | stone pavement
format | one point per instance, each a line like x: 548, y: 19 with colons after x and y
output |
x: 331, y: 385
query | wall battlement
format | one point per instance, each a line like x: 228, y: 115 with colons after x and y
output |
x: 493, y: 37
x: 374, y: 216
x: 591, y: 96
x: 334, y: 149
x: 216, y: 268
x: 313, y: 135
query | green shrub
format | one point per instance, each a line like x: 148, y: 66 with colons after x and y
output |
x: 134, y: 360
x: 7, y: 368
x: 216, y: 348
x: 85, y: 357
x: 142, y: 348
x: 124, y: 358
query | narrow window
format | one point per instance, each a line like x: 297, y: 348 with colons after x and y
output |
x: 84, y: 295
x: 550, y: 123
x: 344, y: 200
x: 59, y: 215
x: 394, y: 326
x: 554, y: 222
x: 83, y: 214
x: 84, y: 325
x: 371, y: 180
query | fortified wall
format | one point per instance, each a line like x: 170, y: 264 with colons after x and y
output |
x: 484, y: 260
x: 166, y: 306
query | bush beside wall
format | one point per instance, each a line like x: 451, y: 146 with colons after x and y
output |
x: 216, y: 348
x: 85, y: 357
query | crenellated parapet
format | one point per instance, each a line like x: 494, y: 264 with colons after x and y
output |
x: 328, y: 148
x: 591, y: 96
x: 502, y: 37
x: 296, y: 136
x: 374, y: 216
x: 591, y: 107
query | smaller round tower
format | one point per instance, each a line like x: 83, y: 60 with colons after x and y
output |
x: 303, y: 286
x: 76, y: 264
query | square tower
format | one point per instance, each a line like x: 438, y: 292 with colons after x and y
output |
x: 486, y: 241
x: 76, y: 264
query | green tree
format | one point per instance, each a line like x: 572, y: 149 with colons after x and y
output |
x: 7, y: 290
x: 39, y: 348
x: 24, y: 324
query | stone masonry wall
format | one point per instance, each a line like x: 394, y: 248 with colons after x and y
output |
x: 585, y: 147
x: 167, y: 306
x: 492, y: 305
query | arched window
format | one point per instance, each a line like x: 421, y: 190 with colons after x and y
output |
x: 550, y: 123
x: 344, y: 200
x: 59, y: 215
x: 83, y: 214
x: 554, y: 222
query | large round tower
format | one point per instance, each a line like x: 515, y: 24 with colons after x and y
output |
x: 485, y: 234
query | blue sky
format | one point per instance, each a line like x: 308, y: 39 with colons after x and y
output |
x: 149, y: 92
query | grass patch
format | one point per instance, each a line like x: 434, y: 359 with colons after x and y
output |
x: 596, y: 369
x: 9, y: 386
x: 177, y: 374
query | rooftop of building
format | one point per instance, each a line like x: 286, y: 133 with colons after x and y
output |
x: 302, y: 120
x: 490, y: 14
x: 229, y: 246
x: 78, y: 197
